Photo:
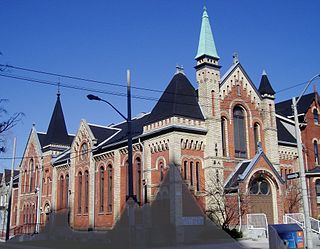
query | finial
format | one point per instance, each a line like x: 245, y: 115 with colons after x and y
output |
x: 259, y: 147
x: 264, y: 72
x: 204, y: 8
x: 33, y: 124
x: 58, y: 93
x: 179, y: 69
x: 235, y: 58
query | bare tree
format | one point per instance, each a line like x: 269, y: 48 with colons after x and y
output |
x: 293, y: 198
x: 7, y: 122
x: 225, y: 208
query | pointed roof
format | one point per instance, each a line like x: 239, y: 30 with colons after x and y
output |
x: 206, y: 41
x: 57, y: 130
x: 265, y: 86
x: 179, y: 99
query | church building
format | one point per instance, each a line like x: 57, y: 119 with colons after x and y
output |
x: 223, y: 132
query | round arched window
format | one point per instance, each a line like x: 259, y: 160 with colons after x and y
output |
x: 259, y: 186
x: 84, y: 151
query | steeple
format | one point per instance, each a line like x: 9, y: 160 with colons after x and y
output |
x: 265, y: 88
x: 57, y: 130
x: 206, y: 46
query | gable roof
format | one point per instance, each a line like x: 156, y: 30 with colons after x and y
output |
x: 232, y: 69
x: 265, y: 86
x: 179, y: 99
x: 57, y: 130
x: 284, y: 108
x: 244, y: 168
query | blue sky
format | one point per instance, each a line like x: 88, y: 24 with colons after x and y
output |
x: 101, y: 39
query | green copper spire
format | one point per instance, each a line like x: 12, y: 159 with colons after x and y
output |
x: 206, y: 42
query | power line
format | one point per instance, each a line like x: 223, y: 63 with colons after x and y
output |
x: 109, y: 83
x: 76, y: 87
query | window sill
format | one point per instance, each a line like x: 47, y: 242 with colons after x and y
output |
x: 104, y: 213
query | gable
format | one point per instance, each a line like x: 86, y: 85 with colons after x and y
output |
x: 237, y: 75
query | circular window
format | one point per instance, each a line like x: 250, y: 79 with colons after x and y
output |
x: 84, y: 151
x: 259, y: 186
x: 264, y: 187
x: 254, y: 189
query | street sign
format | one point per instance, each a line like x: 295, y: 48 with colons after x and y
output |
x: 292, y: 176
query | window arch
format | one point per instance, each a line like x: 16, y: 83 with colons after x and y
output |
x: 197, y: 176
x: 223, y: 136
x: 86, y: 191
x: 316, y: 152
x: 101, y: 197
x: 31, y: 168
x: 138, y: 178
x: 191, y: 173
x: 67, y: 191
x: 61, y: 191
x: 315, y: 116
x: 79, y: 191
x: 84, y: 151
x: 256, y: 135
x: 185, y: 169
x: 240, y: 143
x: 110, y: 184
x: 318, y: 190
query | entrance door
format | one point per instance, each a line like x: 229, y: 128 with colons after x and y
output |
x: 261, y: 200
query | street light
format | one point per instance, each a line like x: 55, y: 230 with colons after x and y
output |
x: 301, y: 166
x: 128, y: 119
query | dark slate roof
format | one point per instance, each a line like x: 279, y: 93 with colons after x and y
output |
x: 283, y: 134
x: 179, y: 99
x: 265, y: 86
x: 102, y: 133
x: 63, y: 158
x: 233, y: 182
x: 284, y: 108
x: 57, y: 130
x: 7, y: 175
x: 136, y: 126
x: 42, y: 139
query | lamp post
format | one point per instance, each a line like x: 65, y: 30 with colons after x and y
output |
x: 301, y: 166
x: 130, y: 197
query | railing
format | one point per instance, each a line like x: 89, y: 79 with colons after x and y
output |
x: 298, y: 218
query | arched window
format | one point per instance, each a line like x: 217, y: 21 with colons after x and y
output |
x: 191, y: 173
x: 84, y: 151
x: 67, y: 191
x: 138, y: 178
x: 259, y: 186
x: 101, y: 189
x: 161, y: 168
x: 185, y: 169
x: 86, y: 191
x: 256, y: 133
x: 239, y: 132
x: 79, y: 192
x: 31, y: 168
x: 223, y: 136
x: 61, y: 191
x: 110, y: 188
x: 318, y: 190
x: 315, y: 116
x: 197, y: 176
x: 316, y: 152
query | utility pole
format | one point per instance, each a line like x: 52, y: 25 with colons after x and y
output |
x: 303, y: 183
x: 39, y: 193
x: 10, y: 191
